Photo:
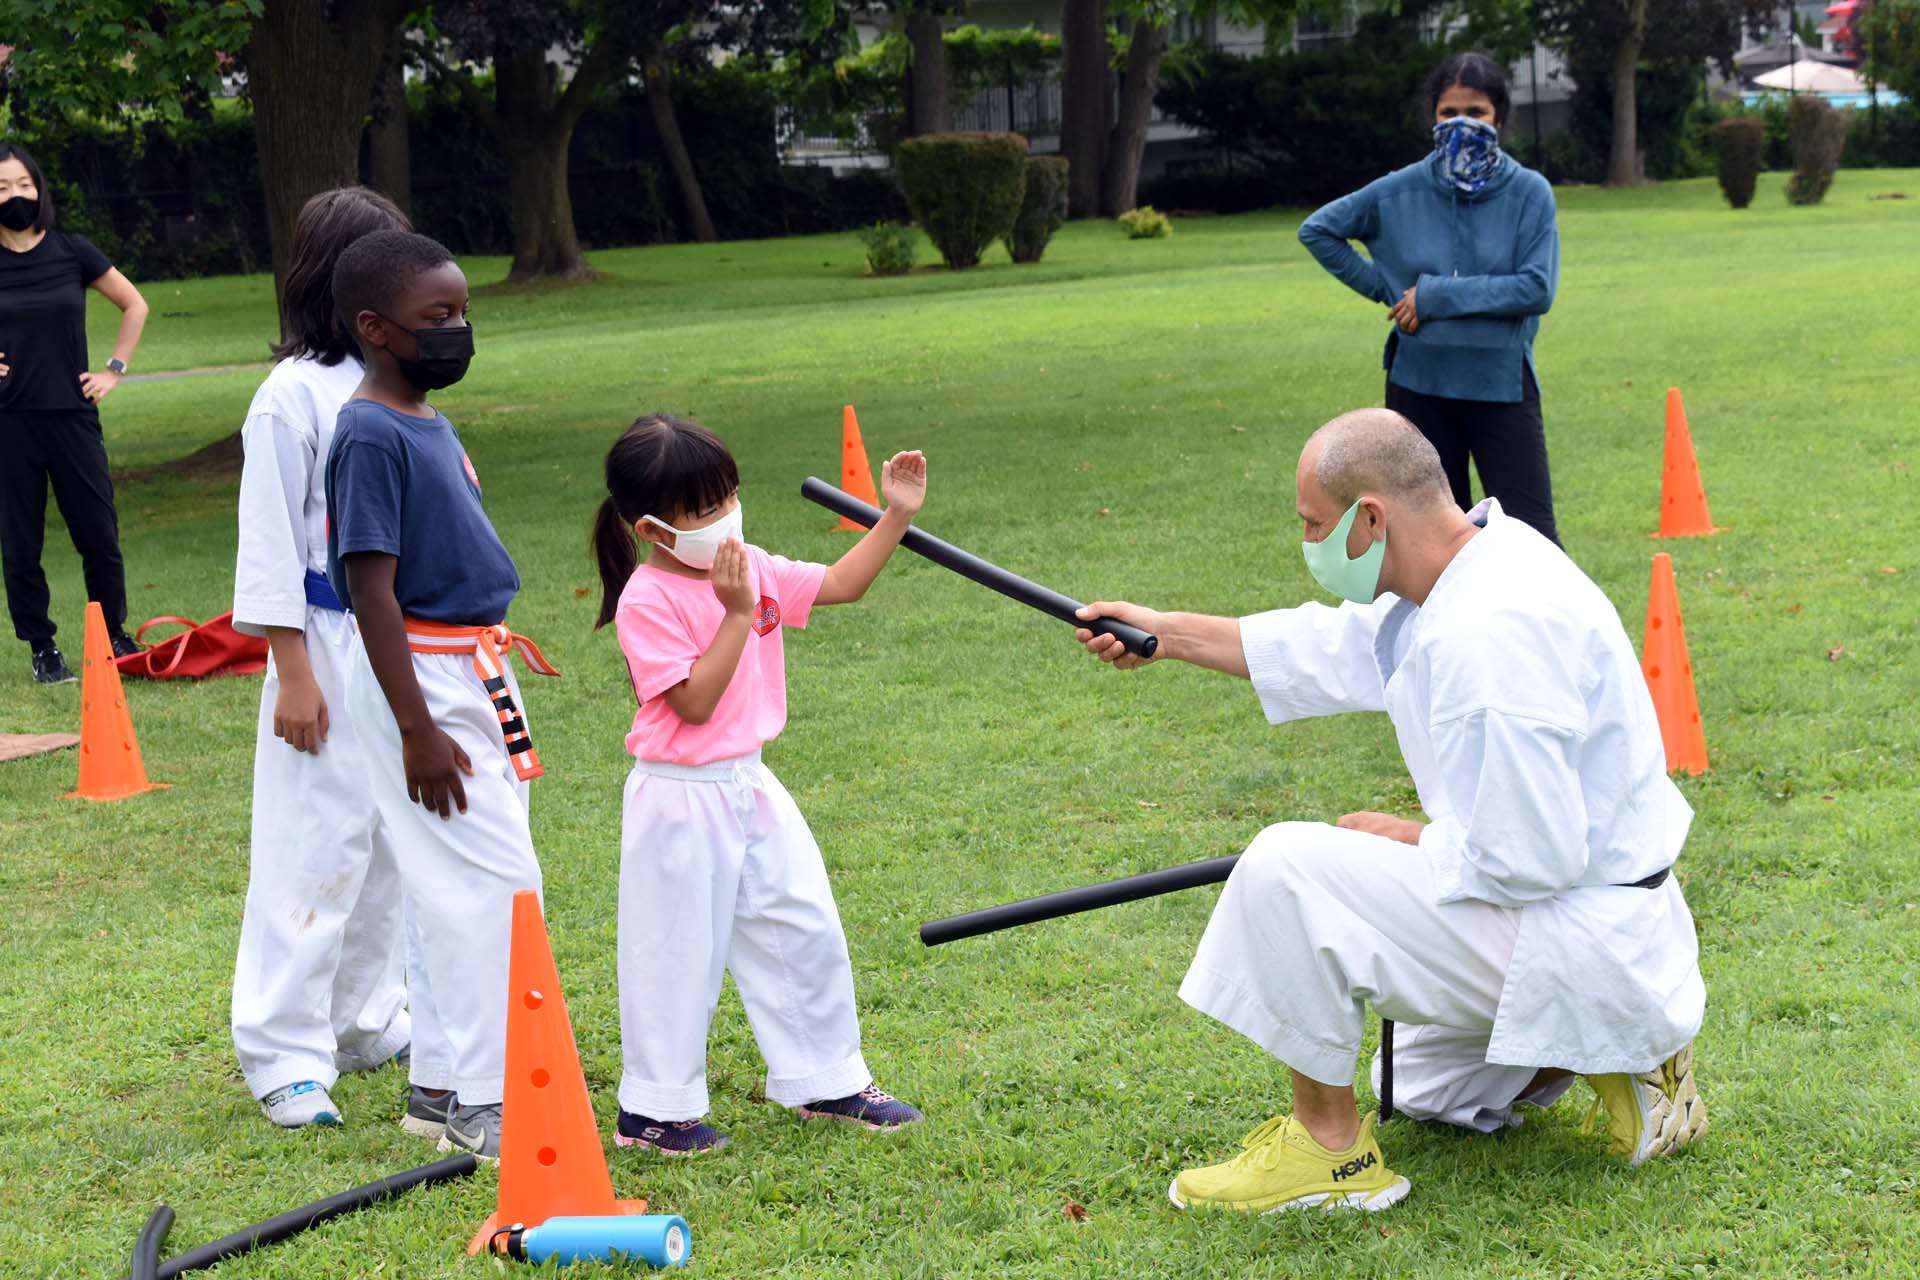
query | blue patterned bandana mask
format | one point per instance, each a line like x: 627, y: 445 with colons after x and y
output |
x: 1469, y: 152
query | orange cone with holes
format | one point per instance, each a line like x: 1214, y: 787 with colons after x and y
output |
x: 110, y: 763
x: 856, y: 477
x: 551, y: 1161
x: 1683, y: 499
x: 1669, y: 672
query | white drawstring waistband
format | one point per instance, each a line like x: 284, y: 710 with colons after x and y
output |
x: 739, y: 770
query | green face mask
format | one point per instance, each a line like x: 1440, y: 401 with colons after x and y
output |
x: 1357, y: 579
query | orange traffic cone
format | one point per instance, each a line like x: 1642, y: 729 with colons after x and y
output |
x: 1683, y: 499
x: 1663, y: 656
x: 110, y: 764
x: 551, y: 1163
x: 855, y: 476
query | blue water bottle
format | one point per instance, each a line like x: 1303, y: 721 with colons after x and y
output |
x: 661, y: 1239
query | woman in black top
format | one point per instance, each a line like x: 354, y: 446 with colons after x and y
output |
x: 49, y: 426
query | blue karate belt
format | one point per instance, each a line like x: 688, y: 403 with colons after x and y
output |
x: 320, y: 592
x: 1653, y: 881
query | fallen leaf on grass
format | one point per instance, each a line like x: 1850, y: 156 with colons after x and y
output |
x: 1794, y: 608
x: 581, y: 593
x: 1106, y: 511
x: 1074, y: 1210
x: 1836, y: 653
x: 1887, y: 568
x: 1826, y: 797
x: 1148, y: 804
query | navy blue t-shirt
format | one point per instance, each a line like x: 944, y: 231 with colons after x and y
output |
x: 403, y: 486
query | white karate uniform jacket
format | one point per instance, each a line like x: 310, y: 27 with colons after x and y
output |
x: 1527, y: 726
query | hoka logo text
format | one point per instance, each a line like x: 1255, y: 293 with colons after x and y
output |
x: 1354, y: 1166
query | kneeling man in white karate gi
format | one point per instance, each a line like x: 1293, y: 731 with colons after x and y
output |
x: 1530, y: 930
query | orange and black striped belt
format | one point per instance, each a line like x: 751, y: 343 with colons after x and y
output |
x: 490, y: 647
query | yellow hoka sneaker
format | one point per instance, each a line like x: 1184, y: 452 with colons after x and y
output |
x: 1651, y: 1114
x: 1281, y: 1167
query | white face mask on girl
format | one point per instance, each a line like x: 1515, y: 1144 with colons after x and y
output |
x: 696, y: 548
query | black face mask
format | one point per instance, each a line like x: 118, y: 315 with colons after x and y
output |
x: 19, y: 212
x: 440, y: 356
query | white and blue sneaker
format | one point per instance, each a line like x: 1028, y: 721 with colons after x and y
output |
x: 297, y: 1105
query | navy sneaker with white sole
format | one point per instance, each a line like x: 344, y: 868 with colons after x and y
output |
x: 668, y: 1137
x: 869, y: 1107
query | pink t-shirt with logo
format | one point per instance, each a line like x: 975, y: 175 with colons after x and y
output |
x: 665, y: 622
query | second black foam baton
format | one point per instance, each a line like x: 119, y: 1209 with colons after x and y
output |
x: 984, y: 572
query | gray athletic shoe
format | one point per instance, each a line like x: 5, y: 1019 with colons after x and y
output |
x: 426, y: 1115
x: 475, y: 1129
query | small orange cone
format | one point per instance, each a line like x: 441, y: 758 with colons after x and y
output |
x: 110, y: 764
x: 1663, y: 657
x: 855, y: 476
x: 551, y: 1163
x: 1683, y: 499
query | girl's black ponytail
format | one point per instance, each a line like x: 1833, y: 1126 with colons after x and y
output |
x: 615, y: 553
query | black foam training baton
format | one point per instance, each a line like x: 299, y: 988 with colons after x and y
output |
x: 984, y: 572
x: 1130, y: 889
x: 294, y: 1221
x: 1073, y: 901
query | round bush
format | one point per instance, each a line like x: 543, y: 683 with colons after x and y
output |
x: 1043, y: 209
x: 964, y: 189
x: 1819, y: 135
x: 1739, y: 146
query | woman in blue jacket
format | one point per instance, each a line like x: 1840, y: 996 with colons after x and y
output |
x: 1465, y: 255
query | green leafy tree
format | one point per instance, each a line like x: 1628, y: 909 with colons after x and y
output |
x: 1608, y: 40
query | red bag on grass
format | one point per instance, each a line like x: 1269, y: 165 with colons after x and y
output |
x: 210, y: 648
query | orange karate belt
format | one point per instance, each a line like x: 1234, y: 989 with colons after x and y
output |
x: 490, y: 647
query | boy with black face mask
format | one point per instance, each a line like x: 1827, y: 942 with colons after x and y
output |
x: 429, y: 684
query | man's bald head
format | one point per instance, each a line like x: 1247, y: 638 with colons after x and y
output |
x: 1376, y: 451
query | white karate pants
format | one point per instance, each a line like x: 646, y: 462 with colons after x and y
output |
x: 718, y: 870
x: 460, y: 872
x: 1315, y: 923
x: 317, y: 985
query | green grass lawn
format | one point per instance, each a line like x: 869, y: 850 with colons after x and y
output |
x: 1121, y: 420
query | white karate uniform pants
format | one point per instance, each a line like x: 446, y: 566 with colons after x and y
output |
x: 460, y: 872
x: 1315, y: 923
x: 318, y: 987
x: 718, y: 870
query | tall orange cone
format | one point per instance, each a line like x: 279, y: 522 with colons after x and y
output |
x: 1683, y: 499
x: 551, y: 1162
x: 110, y: 764
x: 1669, y: 672
x: 855, y: 476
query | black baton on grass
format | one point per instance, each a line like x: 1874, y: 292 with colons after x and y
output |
x: 1073, y: 901
x: 984, y: 572
x: 294, y: 1221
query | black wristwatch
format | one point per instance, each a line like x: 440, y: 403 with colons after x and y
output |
x: 116, y: 365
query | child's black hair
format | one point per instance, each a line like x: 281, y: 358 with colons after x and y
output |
x: 1474, y: 71
x: 328, y: 224
x: 377, y: 268
x: 661, y: 466
x: 14, y: 151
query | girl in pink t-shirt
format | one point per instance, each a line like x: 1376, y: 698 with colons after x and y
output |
x: 717, y: 867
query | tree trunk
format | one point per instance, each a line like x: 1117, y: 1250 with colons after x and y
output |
x: 929, y: 93
x: 656, y: 70
x: 533, y: 136
x: 1623, y: 156
x: 1127, y: 143
x: 1084, y: 90
x: 311, y: 80
x: 389, y: 164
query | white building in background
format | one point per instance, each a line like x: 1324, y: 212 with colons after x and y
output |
x: 1541, y: 90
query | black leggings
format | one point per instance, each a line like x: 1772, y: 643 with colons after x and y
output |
x: 66, y: 448
x: 1507, y: 441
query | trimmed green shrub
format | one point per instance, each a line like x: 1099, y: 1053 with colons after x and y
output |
x: 1819, y: 135
x: 889, y: 248
x: 1145, y: 223
x: 1043, y: 209
x: 1739, y: 145
x: 964, y: 189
